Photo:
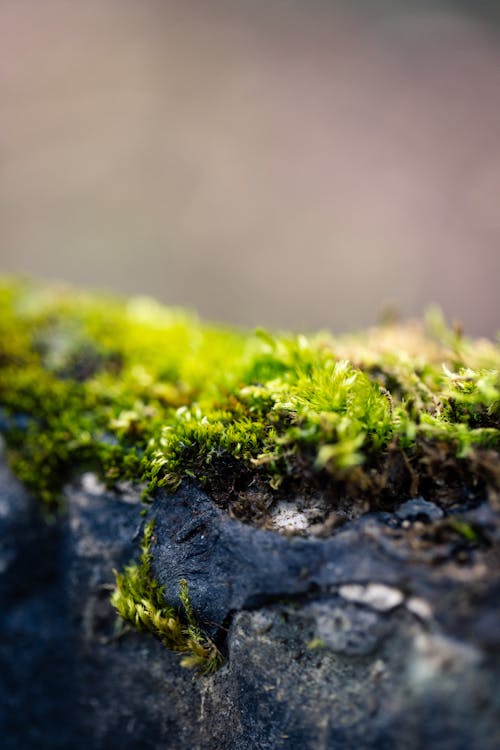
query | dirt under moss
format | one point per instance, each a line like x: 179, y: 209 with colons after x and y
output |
x: 333, y: 426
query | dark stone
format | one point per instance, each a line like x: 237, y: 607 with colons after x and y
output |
x: 130, y: 691
x: 66, y: 681
x: 419, y: 509
x: 36, y: 651
x: 364, y: 640
x: 231, y: 566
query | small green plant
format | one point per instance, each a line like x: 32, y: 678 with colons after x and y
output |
x: 139, y: 600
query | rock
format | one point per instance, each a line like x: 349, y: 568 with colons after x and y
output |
x: 376, y: 595
x: 231, y: 566
x: 354, y: 641
x: 35, y: 643
x: 418, y: 508
x: 66, y: 679
x: 346, y: 628
x: 419, y: 607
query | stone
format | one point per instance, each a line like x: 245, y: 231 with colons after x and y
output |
x: 354, y: 641
x: 346, y: 628
x: 376, y: 595
x: 417, y: 509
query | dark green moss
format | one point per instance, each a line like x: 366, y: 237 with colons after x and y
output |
x: 136, y: 391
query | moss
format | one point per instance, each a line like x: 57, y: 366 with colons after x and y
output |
x: 139, y: 599
x: 463, y: 528
x: 141, y: 392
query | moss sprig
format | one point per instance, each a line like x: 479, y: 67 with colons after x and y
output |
x: 139, y: 600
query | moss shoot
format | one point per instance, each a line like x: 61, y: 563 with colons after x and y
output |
x: 136, y: 391
x: 139, y: 600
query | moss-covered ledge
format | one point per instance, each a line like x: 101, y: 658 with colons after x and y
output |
x: 136, y: 391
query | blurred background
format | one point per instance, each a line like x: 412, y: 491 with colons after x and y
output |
x: 291, y: 163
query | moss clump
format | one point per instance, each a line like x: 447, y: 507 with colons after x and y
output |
x: 136, y: 391
x: 139, y: 600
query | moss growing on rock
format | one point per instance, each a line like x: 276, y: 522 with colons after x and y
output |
x: 139, y: 600
x: 136, y: 391
x: 140, y: 393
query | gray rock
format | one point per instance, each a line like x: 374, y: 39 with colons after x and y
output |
x: 231, y: 566
x: 346, y: 628
x: 35, y: 642
x: 307, y: 666
x: 419, y: 508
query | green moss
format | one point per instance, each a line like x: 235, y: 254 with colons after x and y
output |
x: 139, y: 599
x: 137, y: 391
x: 463, y: 528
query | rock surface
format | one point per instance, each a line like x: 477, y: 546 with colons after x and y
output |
x: 386, y: 635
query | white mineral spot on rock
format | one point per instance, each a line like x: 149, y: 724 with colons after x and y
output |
x: 419, y: 607
x: 378, y: 669
x: 286, y: 517
x: 262, y: 622
x: 91, y: 484
x: 377, y: 595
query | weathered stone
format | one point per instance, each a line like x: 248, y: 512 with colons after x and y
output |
x: 376, y: 595
x: 409, y: 658
x: 419, y: 508
x: 346, y: 628
x: 36, y: 652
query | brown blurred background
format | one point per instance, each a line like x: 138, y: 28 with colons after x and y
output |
x: 294, y: 164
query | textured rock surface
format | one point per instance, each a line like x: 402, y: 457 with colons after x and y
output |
x: 386, y: 635
x: 66, y: 681
x: 35, y: 649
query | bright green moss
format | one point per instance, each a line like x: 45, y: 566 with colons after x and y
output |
x: 139, y: 600
x: 136, y: 391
